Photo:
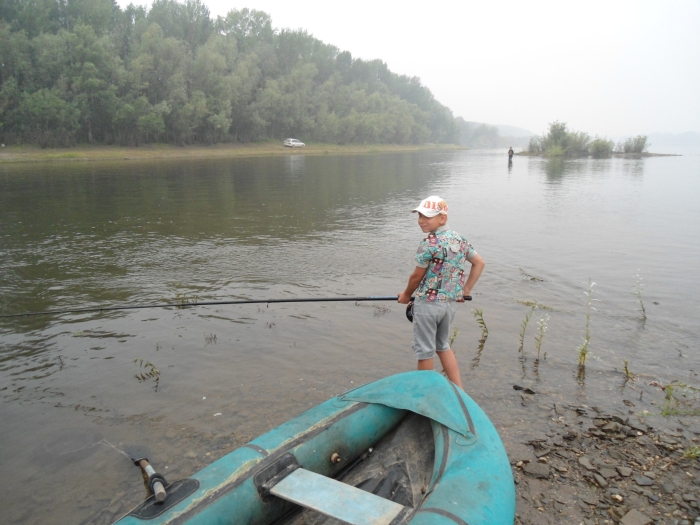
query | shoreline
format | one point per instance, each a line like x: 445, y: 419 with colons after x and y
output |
x: 581, y: 464
x: 27, y: 154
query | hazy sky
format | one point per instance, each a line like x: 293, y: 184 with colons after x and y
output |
x: 605, y: 67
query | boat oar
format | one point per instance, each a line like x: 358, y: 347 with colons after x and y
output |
x: 156, y: 482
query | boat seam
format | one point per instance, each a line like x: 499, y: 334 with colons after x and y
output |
x: 465, y: 409
x: 445, y: 514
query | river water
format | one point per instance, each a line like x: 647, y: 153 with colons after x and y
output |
x: 186, y: 386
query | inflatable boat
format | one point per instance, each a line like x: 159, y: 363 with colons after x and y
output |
x: 409, y: 448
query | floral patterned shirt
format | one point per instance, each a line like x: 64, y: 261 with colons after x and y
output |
x: 444, y: 253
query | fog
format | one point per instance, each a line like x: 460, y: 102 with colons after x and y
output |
x: 609, y: 68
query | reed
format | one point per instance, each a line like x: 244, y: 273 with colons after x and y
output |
x: 478, y: 314
x: 455, y: 331
x: 542, y: 328
x: 523, y: 326
x: 210, y: 339
x: 638, y: 294
x: 628, y: 374
x: 583, y: 349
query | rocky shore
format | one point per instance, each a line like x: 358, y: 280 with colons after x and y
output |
x: 588, y: 466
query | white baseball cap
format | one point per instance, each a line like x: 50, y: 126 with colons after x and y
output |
x: 432, y: 206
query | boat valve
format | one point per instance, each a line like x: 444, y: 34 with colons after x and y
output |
x: 156, y: 482
x: 335, y: 458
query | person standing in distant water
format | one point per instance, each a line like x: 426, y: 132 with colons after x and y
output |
x: 510, y: 154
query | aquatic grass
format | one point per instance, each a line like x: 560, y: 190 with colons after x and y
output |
x: 478, y: 314
x: 691, y: 453
x: 149, y: 372
x: 523, y: 325
x: 184, y: 300
x: 679, y: 400
x: 583, y: 349
x: 210, y: 339
x: 529, y: 277
x: 542, y: 328
x: 638, y: 294
x: 540, y: 306
x: 455, y: 332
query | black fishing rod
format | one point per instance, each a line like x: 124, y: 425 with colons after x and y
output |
x: 215, y: 303
x: 205, y: 303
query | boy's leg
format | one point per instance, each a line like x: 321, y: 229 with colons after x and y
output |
x: 426, y: 364
x: 444, y: 352
x: 424, y: 325
x: 448, y: 360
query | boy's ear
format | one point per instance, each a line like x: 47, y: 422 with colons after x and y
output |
x: 443, y: 219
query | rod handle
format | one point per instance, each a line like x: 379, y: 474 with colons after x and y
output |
x: 155, y: 484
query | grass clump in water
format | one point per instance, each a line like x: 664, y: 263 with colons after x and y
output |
x: 523, y: 326
x: 478, y: 314
x: 583, y: 349
x: 542, y: 328
x: 681, y: 400
x: 638, y: 294
x: 529, y: 277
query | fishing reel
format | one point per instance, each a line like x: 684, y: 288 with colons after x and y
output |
x: 409, y: 307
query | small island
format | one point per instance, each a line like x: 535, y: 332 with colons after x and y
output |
x: 562, y: 142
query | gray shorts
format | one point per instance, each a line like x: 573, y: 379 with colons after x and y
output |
x: 431, y: 327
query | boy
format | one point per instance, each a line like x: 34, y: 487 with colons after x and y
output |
x: 439, y: 281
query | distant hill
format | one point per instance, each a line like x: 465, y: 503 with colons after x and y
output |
x: 482, y: 135
x: 689, y: 138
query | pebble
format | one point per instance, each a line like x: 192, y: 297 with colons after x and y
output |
x: 634, y: 517
x: 625, y: 471
x: 643, y: 481
x: 536, y: 470
x: 608, y: 473
x: 586, y: 463
x: 599, y: 480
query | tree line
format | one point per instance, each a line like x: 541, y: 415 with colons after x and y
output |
x: 87, y: 71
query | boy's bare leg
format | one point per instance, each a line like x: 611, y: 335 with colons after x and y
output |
x: 449, y: 364
x: 425, y: 364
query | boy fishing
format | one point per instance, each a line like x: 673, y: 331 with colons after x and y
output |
x: 439, y: 281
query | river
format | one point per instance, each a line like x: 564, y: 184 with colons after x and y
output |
x: 186, y: 386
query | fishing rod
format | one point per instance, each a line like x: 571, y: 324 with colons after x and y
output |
x: 212, y: 303
x: 204, y: 303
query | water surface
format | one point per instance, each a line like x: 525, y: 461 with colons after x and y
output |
x: 185, y: 386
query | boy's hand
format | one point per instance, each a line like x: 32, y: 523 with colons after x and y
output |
x: 404, y: 298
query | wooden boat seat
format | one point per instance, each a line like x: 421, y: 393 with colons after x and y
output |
x: 336, y: 499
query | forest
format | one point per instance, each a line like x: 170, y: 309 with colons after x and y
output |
x: 87, y: 71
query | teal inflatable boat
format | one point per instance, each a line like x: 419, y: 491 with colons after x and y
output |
x: 410, y: 448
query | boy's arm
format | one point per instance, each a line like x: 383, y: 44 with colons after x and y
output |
x: 477, y: 267
x: 413, y: 282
